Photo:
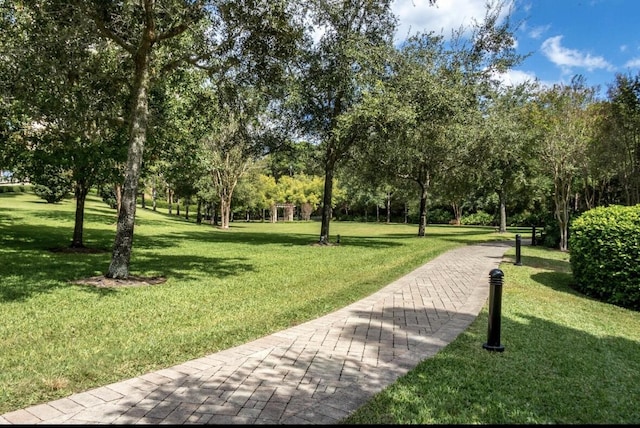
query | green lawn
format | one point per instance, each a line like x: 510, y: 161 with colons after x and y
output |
x: 567, y: 359
x: 223, y: 288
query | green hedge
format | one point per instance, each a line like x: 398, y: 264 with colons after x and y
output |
x: 479, y: 218
x: 604, y: 246
x: 14, y: 188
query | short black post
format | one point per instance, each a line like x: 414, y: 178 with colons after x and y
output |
x: 533, y: 236
x: 518, y: 250
x: 495, y: 304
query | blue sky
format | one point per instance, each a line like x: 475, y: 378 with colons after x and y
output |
x: 595, y: 38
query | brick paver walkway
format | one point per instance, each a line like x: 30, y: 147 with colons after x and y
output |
x: 314, y: 373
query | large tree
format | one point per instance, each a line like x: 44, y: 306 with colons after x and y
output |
x: 504, y: 152
x: 228, y: 38
x: 624, y: 133
x: 353, y: 38
x: 561, y: 116
x: 69, y: 93
x: 418, y: 119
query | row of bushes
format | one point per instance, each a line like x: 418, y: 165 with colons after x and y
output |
x: 604, y: 248
x: 14, y: 188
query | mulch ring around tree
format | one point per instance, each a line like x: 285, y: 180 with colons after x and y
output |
x: 132, y: 281
x: 102, y: 281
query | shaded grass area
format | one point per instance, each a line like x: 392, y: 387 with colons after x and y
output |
x: 223, y: 288
x: 568, y: 359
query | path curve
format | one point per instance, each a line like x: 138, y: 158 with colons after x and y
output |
x: 315, y: 373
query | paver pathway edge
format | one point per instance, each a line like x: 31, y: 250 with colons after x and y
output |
x: 317, y: 372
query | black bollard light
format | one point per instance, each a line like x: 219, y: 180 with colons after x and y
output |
x: 518, y: 250
x: 495, y: 305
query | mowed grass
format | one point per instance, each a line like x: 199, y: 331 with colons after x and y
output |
x: 568, y: 359
x: 223, y: 288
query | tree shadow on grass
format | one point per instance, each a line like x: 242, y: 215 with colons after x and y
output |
x: 571, y: 370
x: 560, y: 266
x: 22, y: 280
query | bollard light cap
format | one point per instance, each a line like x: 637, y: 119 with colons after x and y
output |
x: 496, y: 273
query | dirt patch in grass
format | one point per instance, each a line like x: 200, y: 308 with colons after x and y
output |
x: 132, y: 281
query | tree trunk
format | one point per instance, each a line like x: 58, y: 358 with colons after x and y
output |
x: 457, y: 212
x: 81, y: 192
x: 199, y: 214
x: 121, y: 257
x: 503, y: 211
x: 326, y: 202
x: 274, y: 214
x: 562, y: 203
x: 212, y: 219
x: 154, y: 196
x: 225, y: 211
x: 422, y: 223
x: 169, y: 200
x: 178, y: 207
x: 117, y: 189
x: 142, y: 202
x: 388, y: 207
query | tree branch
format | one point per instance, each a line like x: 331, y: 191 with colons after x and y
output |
x: 110, y: 34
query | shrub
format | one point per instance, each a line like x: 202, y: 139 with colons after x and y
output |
x: 439, y: 216
x: 479, y: 218
x: 108, y: 195
x: 604, y: 246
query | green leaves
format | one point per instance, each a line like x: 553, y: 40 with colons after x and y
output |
x: 605, y: 254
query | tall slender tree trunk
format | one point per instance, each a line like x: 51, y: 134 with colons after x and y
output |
x: 326, y: 200
x: 503, y: 211
x: 81, y: 191
x: 117, y: 189
x: 121, y: 257
x: 388, y: 207
x: 406, y: 213
x: 422, y: 222
x: 562, y: 204
x: 199, y: 213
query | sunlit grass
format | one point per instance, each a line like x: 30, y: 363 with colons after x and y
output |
x: 223, y: 288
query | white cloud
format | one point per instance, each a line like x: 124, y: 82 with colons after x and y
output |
x: 537, y: 32
x: 445, y: 16
x: 569, y: 58
x: 633, y: 63
x: 515, y: 77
